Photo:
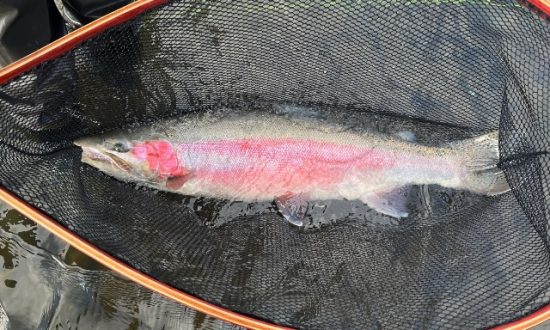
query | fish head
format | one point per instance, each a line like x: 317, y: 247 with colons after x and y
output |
x: 118, y: 157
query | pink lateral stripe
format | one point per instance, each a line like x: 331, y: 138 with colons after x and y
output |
x: 262, y: 165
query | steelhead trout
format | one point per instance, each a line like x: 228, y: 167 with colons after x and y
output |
x: 267, y: 157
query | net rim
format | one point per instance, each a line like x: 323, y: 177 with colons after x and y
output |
x: 73, y: 39
x: 542, y: 5
x: 127, y: 271
x: 527, y: 322
x: 70, y: 41
x: 40, y: 218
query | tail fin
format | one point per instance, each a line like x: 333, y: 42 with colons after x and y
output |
x: 482, y: 155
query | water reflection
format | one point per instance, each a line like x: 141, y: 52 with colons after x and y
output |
x: 47, y: 284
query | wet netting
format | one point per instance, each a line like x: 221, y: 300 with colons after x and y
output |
x: 466, y: 66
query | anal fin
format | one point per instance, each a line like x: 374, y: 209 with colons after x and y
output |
x: 293, y: 207
x: 392, y: 202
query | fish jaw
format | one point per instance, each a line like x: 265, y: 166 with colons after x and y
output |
x: 94, y: 157
x: 92, y: 153
x: 120, y: 165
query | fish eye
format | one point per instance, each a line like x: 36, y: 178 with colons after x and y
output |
x: 120, y: 147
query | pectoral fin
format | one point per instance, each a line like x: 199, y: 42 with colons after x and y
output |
x: 176, y: 182
x: 392, y: 202
x: 293, y: 207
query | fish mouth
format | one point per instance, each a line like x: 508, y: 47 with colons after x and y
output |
x: 92, y: 155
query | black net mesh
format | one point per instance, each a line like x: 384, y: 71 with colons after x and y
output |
x: 472, y: 66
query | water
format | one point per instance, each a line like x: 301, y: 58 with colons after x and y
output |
x: 47, y: 284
